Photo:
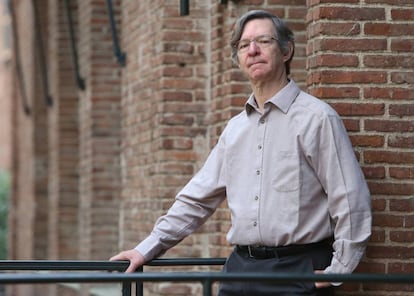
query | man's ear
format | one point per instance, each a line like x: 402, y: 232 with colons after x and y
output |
x: 287, y: 56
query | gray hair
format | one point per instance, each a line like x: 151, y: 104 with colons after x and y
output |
x: 283, y: 33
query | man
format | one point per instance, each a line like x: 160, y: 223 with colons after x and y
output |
x: 298, y: 198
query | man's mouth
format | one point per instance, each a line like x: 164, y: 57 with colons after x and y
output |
x: 254, y: 63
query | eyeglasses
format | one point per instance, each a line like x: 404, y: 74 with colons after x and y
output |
x: 262, y: 41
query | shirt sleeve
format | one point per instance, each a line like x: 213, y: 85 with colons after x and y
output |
x: 193, y: 205
x: 347, y: 192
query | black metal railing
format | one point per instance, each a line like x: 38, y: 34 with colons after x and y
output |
x: 112, y: 272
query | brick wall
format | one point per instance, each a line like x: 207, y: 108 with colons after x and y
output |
x: 97, y: 168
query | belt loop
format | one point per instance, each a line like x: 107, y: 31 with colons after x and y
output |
x: 250, y: 251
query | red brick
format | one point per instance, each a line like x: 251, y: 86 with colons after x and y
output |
x: 402, y: 14
x: 349, y: 77
x: 387, y: 220
x: 401, y: 173
x: 377, y: 236
x: 373, y: 156
x: 402, y: 110
x: 402, y: 77
x: 390, y: 188
x: 355, y: 14
x: 340, y: 29
x: 348, y: 109
x: 391, y: 2
x: 379, y: 204
x: 179, y: 144
x: 386, y: 61
x: 387, y: 29
x: 351, y: 44
x: 389, y: 125
x: 401, y: 141
x: 177, y: 119
x: 367, y: 141
x: 316, y: 2
x: 333, y: 60
x: 409, y: 220
x: 390, y: 252
x: 351, y: 125
x: 402, y: 45
x: 395, y: 93
x: 327, y: 92
x: 402, y: 205
x: 401, y: 267
x: 377, y: 172
x: 286, y: 2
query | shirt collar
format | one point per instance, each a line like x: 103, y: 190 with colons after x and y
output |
x: 282, y: 99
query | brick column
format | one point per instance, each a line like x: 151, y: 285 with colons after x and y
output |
x: 63, y: 239
x: 100, y: 127
x: 360, y: 61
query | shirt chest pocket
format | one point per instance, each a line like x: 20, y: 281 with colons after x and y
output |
x: 286, y: 172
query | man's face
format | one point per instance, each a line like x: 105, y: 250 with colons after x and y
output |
x: 260, y: 61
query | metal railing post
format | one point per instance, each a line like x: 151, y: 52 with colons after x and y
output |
x: 184, y: 7
x: 139, y: 284
x: 126, y: 289
x: 207, y: 287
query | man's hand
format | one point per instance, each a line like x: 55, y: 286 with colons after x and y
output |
x: 133, y: 256
x: 320, y: 285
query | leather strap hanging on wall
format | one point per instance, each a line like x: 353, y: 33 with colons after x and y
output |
x: 41, y: 52
x: 80, y: 81
x: 120, y: 55
x: 18, y: 62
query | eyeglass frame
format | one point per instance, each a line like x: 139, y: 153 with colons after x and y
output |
x: 256, y: 41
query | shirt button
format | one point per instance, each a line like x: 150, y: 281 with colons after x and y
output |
x: 256, y: 198
x: 259, y: 147
x: 254, y: 224
x: 262, y: 121
x: 257, y: 172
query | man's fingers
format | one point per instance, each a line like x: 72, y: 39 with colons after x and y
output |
x: 320, y: 285
x: 131, y: 268
x: 133, y: 256
x: 119, y: 257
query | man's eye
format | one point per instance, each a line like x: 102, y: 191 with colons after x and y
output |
x: 243, y: 45
x: 264, y: 41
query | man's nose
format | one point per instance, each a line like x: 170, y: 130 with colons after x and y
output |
x: 253, y: 48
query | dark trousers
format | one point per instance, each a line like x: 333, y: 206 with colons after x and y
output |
x: 306, y: 262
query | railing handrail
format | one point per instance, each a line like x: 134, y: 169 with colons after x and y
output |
x: 198, y: 276
x: 84, y: 265
x: 205, y: 278
x: 69, y: 265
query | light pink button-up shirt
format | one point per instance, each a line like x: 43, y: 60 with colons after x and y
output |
x: 290, y: 176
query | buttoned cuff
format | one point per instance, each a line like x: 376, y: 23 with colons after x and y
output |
x: 150, y: 248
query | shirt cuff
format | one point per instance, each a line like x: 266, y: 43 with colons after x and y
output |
x: 150, y: 248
